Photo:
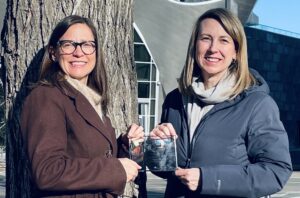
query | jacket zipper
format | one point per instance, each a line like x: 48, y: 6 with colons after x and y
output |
x: 192, y: 142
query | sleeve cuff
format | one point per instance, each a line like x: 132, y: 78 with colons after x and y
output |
x: 199, y: 189
x: 123, y: 150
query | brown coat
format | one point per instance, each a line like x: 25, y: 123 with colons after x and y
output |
x: 72, y: 152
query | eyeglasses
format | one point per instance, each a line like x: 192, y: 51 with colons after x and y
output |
x: 69, y: 47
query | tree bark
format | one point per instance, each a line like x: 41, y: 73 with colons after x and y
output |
x: 27, y: 27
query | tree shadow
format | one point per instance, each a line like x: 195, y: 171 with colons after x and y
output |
x: 18, y: 177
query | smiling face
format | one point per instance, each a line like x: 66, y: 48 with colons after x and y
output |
x: 76, y: 65
x: 215, y: 50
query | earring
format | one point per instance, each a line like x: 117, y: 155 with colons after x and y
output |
x: 232, y: 64
x: 53, y: 58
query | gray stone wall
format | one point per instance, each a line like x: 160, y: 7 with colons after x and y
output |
x: 277, y: 58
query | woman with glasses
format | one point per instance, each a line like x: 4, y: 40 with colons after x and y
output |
x: 231, y: 142
x: 70, y: 141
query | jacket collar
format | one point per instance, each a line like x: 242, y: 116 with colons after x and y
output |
x: 86, y: 110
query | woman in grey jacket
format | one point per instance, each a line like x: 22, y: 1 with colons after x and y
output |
x: 231, y: 142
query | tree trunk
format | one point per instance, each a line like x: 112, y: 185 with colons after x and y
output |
x: 27, y: 27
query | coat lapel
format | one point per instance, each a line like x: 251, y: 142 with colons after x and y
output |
x: 90, y: 115
x: 86, y: 110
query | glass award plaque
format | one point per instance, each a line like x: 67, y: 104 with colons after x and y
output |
x: 155, y: 154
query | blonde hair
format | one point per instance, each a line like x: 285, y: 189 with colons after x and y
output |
x: 234, y: 28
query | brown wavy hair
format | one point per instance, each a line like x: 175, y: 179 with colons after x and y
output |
x: 50, y: 71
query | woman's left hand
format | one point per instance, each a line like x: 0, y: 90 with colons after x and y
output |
x: 189, y: 177
x: 134, y: 133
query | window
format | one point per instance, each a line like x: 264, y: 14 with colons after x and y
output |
x: 148, y: 85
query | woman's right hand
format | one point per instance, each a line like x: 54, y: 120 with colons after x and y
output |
x: 131, y: 168
x: 163, y: 130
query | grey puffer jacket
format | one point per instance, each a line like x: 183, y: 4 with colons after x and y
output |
x: 240, y: 146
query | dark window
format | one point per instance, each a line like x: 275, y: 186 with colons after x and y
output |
x: 152, y: 109
x: 141, y: 53
x: 143, y: 71
x: 137, y: 38
x: 153, y: 72
x: 152, y: 122
x: 153, y: 90
x: 143, y: 90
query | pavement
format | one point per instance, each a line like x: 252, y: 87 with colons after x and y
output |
x: 292, y: 188
x: 156, y: 187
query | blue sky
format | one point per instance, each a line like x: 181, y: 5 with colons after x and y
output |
x: 282, y: 14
